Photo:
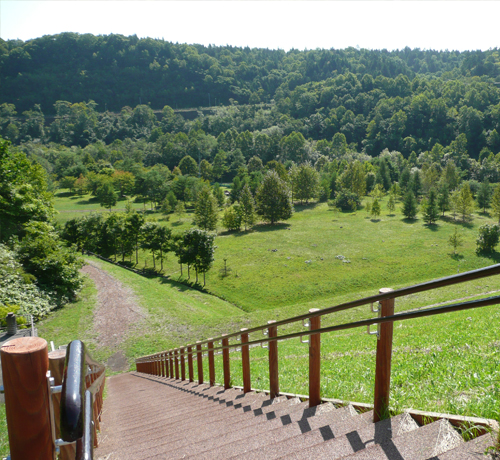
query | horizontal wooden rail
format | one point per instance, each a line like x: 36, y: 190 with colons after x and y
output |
x: 363, y: 323
x: 384, y: 321
x: 429, y: 285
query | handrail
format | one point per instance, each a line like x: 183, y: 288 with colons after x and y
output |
x: 83, y: 380
x: 426, y: 286
x: 162, y: 363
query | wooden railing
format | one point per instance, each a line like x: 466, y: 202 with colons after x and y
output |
x: 53, y: 400
x: 163, y: 363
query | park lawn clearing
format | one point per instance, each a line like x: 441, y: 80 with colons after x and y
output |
x: 297, y: 262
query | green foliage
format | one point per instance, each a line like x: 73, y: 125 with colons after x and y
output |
x: 455, y: 240
x: 463, y: 202
x: 231, y: 219
x: 56, y: 267
x: 410, y: 205
x: 23, y: 193
x: 483, y: 196
x: 273, y: 199
x: 17, y: 289
x: 495, y: 203
x: 375, y: 208
x: 247, y: 207
x: 488, y: 238
x: 430, y: 210
x: 347, y: 201
x: 188, y: 166
x: 306, y: 183
x: 391, y: 203
x: 106, y: 195
x: 206, y: 210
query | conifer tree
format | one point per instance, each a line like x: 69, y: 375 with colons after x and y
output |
x: 495, y: 203
x: 391, y: 203
x: 375, y: 212
x: 430, y: 209
x: 410, y: 205
x: 483, y: 197
x: 444, y: 198
x: 206, y: 210
x: 247, y: 207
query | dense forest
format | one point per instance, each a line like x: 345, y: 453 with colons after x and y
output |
x: 119, y: 116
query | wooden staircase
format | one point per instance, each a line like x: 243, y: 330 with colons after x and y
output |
x: 151, y: 417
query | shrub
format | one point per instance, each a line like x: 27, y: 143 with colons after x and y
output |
x: 488, y: 238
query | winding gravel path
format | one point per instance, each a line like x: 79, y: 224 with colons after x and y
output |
x: 116, y: 315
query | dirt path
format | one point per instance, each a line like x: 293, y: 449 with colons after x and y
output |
x: 116, y: 315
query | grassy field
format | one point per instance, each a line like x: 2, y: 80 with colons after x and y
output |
x: 447, y: 364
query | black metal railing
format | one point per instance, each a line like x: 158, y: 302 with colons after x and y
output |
x: 81, y: 399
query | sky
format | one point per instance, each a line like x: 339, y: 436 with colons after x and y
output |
x: 452, y: 25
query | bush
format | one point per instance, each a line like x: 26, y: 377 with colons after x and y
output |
x: 488, y: 238
x: 347, y: 200
x: 17, y: 290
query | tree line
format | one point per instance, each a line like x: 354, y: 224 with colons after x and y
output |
x: 124, y: 234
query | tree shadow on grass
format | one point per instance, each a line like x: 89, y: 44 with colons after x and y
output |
x: 303, y: 206
x: 375, y: 220
x: 409, y: 221
x: 66, y: 195
x: 493, y: 255
x: 433, y: 227
x: 177, y: 223
x: 271, y: 227
x: 457, y: 257
x: 91, y: 200
x: 451, y: 220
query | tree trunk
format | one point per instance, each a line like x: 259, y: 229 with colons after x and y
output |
x: 189, y: 274
x: 196, y: 270
x: 161, y: 260
x: 154, y: 261
x: 181, y: 268
x: 204, y: 279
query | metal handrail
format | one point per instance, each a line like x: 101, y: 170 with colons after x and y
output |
x: 429, y: 285
x: 76, y: 410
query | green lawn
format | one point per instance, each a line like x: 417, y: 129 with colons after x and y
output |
x: 447, y: 364
x: 294, y: 263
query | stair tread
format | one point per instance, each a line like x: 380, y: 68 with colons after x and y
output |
x: 358, y: 439
x: 474, y: 449
x: 428, y: 441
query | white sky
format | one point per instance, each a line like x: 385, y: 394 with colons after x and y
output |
x: 452, y: 25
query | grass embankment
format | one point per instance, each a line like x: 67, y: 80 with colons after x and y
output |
x: 295, y: 262
x: 448, y: 363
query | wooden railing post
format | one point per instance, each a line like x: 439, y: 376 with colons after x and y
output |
x: 25, y: 362
x: 274, y: 384
x: 162, y: 365
x: 176, y: 360
x: 314, y: 360
x: 225, y: 362
x: 383, y: 361
x: 211, y: 363
x: 171, y: 363
x: 245, y: 362
x: 183, y: 364
x: 190, y: 364
x: 199, y: 363
x: 157, y: 365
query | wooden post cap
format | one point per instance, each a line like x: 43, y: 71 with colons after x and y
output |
x: 385, y: 290
x: 57, y: 354
x: 313, y: 310
x: 271, y: 321
x: 24, y: 345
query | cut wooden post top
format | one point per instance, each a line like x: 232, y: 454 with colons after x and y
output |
x: 385, y: 290
x: 24, y: 345
x: 57, y: 354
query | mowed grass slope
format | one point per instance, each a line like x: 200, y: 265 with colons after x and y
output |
x: 448, y: 363
x: 295, y: 263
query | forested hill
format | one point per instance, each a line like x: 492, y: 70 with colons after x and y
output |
x: 117, y: 71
